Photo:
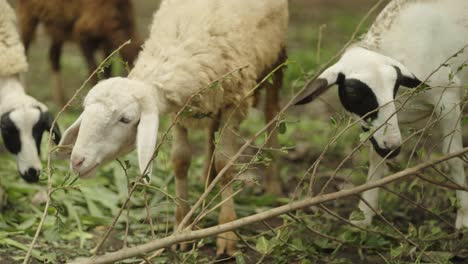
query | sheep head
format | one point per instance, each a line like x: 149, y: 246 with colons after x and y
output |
x: 367, y: 85
x: 118, y: 113
x: 23, y: 121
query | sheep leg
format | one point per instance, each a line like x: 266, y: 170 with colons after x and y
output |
x: 108, y: 69
x: 376, y: 171
x: 27, y: 25
x: 257, y: 98
x: 272, y: 180
x: 55, y: 53
x: 209, y: 170
x: 226, y: 243
x: 453, y: 142
x: 88, y: 48
x: 181, y: 157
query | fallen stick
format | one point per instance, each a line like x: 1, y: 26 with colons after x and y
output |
x: 215, y: 230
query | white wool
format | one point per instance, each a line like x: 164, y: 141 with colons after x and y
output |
x: 12, y: 55
x: 418, y: 37
x: 410, y: 30
x: 192, y: 44
x: 12, y: 62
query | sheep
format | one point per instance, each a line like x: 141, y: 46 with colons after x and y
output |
x: 408, y: 41
x: 23, y: 119
x: 192, y: 44
x: 271, y: 179
x: 93, y: 24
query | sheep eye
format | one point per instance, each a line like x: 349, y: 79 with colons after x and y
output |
x: 124, y: 120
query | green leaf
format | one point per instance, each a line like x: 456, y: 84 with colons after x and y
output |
x: 10, y: 242
x: 214, y: 85
x: 412, y: 230
x: 128, y: 165
x: 364, y: 135
x: 240, y: 259
x: 453, y: 201
x: 357, y: 216
x: 396, y: 252
x: 262, y: 245
x: 51, y: 234
x: 350, y: 236
x: 27, y: 224
x: 298, y: 244
x: 282, y: 128
x: 333, y: 121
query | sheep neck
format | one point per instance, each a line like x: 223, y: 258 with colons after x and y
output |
x: 10, y: 87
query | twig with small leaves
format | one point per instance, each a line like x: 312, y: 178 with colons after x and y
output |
x: 295, y: 205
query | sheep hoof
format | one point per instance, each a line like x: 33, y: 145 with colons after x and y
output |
x: 367, y: 221
x: 226, y: 245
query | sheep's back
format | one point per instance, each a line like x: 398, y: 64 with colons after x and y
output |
x: 75, y: 19
x: 420, y: 34
x: 194, y: 43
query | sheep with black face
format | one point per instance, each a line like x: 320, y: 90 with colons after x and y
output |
x: 409, y: 40
x: 23, y: 119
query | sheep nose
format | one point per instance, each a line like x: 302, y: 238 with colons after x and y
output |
x: 391, y: 144
x: 77, y: 162
x: 31, y: 175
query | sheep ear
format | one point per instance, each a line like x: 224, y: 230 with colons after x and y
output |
x: 69, y: 139
x: 406, y: 78
x: 147, y: 134
x: 326, y: 80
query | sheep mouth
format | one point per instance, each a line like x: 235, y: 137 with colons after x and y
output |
x: 89, y: 172
x: 385, y: 153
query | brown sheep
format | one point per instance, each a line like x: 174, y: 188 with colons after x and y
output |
x: 93, y: 24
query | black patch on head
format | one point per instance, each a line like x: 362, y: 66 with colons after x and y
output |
x: 406, y: 81
x: 10, y: 134
x: 357, y: 97
x: 44, y: 124
x: 37, y: 131
x: 397, y: 83
x: 392, y: 153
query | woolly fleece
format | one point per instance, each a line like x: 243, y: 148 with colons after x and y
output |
x: 193, y: 43
x: 12, y: 56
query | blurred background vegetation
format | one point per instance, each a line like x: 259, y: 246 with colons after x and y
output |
x: 81, y: 209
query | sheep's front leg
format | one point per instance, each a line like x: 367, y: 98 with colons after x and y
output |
x: 272, y: 181
x: 226, y: 242
x: 181, y: 156
x: 452, y: 142
x: 209, y: 171
x: 376, y: 171
x: 27, y: 24
x: 88, y: 48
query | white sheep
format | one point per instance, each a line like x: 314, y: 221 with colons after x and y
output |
x: 192, y: 44
x: 23, y: 118
x: 408, y: 41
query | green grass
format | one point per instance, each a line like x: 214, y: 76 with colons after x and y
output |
x: 81, y: 209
